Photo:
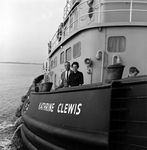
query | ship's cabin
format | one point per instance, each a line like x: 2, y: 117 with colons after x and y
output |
x: 104, y: 31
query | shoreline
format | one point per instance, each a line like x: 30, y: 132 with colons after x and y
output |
x: 21, y: 63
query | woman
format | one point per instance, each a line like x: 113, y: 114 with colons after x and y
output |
x: 76, y: 78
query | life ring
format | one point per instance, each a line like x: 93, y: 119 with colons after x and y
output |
x: 59, y: 35
x: 90, y: 14
x: 59, y: 32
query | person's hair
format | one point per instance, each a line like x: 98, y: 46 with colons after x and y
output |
x: 133, y: 69
x: 67, y: 62
x: 75, y: 63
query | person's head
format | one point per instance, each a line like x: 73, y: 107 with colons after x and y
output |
x: 67, y: 66
x: 75, y: 66
x: 133, y: 71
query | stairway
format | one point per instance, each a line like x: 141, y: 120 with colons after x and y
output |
x: 128, y: 116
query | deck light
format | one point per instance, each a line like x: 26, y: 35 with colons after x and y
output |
x: 88, y: 62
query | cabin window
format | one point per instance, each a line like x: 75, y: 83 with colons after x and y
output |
x: 46, y: 66
x: 116, y: 44
x: 55, y: 61
x: 52, y: 64
x: 77, y: 50
x: 68, y: 54
x: 62, y: 58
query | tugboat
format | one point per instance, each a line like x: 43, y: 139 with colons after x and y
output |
x: 108, y: 112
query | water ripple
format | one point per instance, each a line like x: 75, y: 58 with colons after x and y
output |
x: 15, y: 80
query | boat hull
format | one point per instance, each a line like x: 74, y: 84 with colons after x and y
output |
x: 74, y: 118
x: 111, y: 116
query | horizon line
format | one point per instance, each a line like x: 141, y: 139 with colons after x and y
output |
x: 21, y: 62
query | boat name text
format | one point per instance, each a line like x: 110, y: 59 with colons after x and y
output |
x: 61, y: 108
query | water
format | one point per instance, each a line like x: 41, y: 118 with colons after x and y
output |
x: 15, y: 80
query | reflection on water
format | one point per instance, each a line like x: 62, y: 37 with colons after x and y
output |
x: 15, y: 80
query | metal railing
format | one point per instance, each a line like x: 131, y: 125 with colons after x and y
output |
x: 98, y: 13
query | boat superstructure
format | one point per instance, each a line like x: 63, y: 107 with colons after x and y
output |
x: 104, y: 113
x: 105, y: 31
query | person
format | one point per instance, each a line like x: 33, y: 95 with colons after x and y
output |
x: 76, y: 78
x: 65, y: 76
x: 133, y: 71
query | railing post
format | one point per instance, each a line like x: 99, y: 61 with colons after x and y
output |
x: 131, y: 6
x: 99, y: 13
x: 69, y: 25
x: 78, y: 16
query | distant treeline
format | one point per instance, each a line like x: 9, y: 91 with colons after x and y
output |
x: 22, y: 63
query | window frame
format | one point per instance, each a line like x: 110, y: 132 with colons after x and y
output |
x: 123, y: 49
x: 79, y: 50
x: 70, y: 54
x: 52, y: 64
x: 55, y: 62
x: 62, y: 60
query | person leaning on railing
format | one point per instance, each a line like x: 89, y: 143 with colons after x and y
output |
x: 65, y: 76
x: 133, y: 71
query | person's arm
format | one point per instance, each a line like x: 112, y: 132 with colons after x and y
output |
x: 61, y: 84
x: 69, y: 80
x: 81, y: 79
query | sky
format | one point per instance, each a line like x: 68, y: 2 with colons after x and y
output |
x: 26, y: 26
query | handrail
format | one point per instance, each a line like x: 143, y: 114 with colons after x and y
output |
x: 54, y: 40
x: 65, y: 19
x: 74, y: 21
x: 131, y: 9
x: 127, y: 1
x: 76, y: 7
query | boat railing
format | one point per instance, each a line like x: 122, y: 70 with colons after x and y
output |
x: 55, y: 41
x: 103, y: 12
x: 67, y: 8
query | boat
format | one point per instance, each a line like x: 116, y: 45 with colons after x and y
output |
x: 107, y: 112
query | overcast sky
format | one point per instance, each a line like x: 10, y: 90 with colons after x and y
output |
x: 26, y: 26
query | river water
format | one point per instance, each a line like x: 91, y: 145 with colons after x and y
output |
x: 15, y: 80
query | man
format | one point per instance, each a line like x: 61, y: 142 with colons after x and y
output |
x: 65, y: 76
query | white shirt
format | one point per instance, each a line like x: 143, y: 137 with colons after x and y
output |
x: 66, y: 74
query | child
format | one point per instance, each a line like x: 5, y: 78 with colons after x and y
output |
x: 133, y: 71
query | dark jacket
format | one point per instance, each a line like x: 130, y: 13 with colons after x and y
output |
x: 76, y: 79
